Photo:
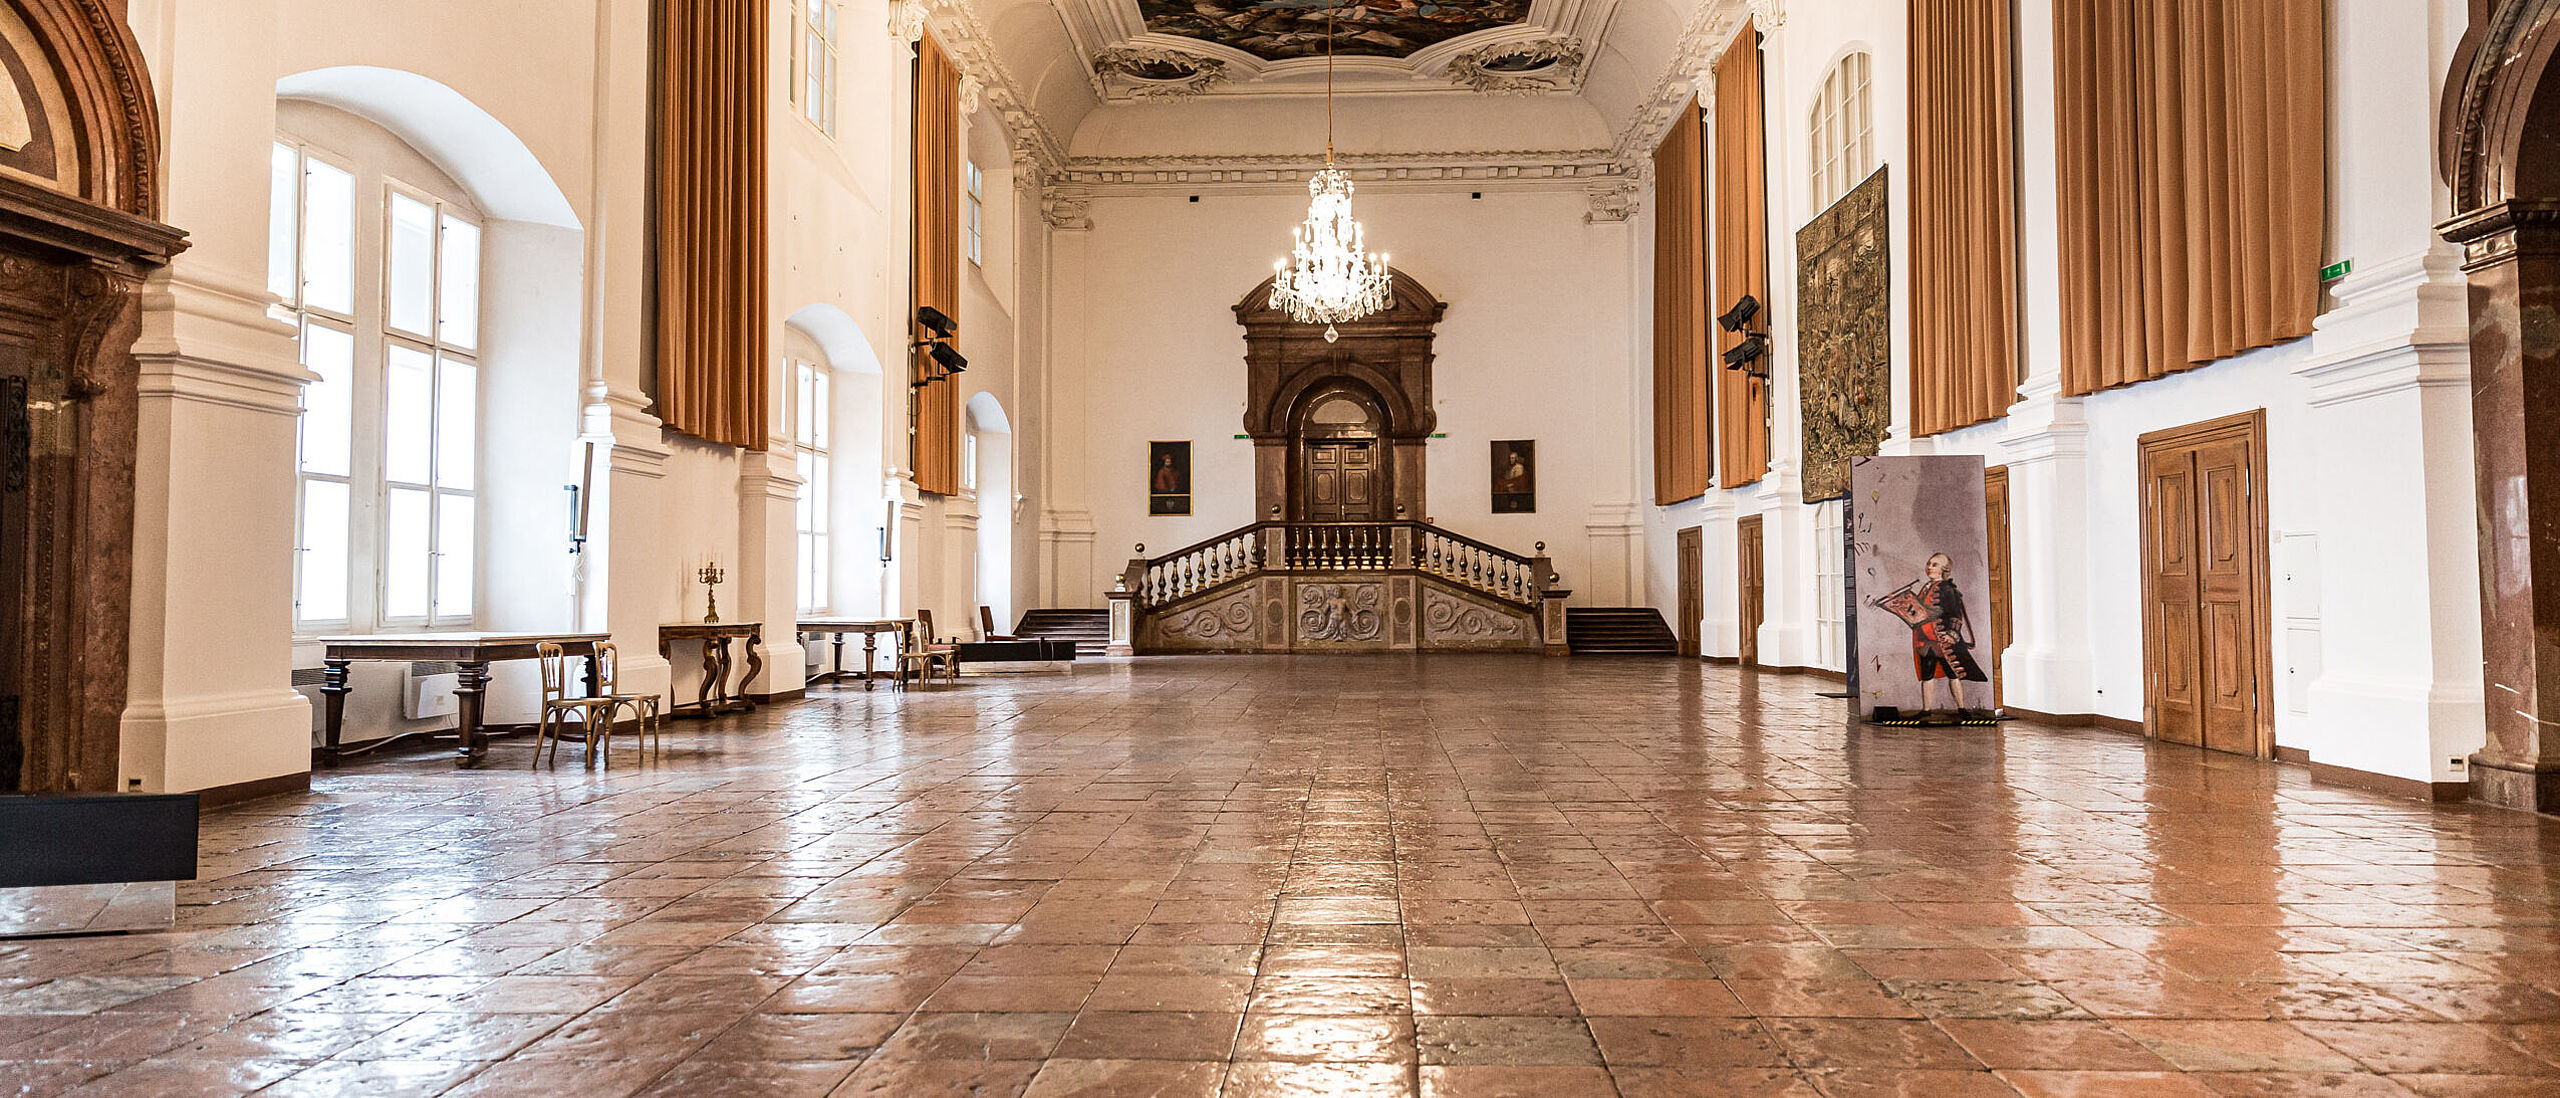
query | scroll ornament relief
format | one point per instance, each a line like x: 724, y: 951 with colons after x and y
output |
x: 1446, y: 617
x: 1228, y: 619
x: 1341, y: 612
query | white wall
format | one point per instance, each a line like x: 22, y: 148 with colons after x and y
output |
x: 1530, y: 348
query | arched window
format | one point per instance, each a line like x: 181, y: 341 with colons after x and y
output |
x: 377, y: 257
x: 1843, y: 148
x: 812, y: 444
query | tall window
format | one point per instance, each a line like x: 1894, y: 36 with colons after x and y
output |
x: 810, y: 431
x: 387, y: 527
x: 1844, y: 148
x: 815, y: 86
x: 975, y: 203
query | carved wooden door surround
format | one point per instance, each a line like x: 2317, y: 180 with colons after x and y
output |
x: 1385, y: 359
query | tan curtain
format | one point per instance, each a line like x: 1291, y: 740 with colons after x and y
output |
x: 707, y: 230
x: 1742, y: 254
x: 1964, y: 244
x: 1681, y: 428
x: 936, y: 252
x: 2192, y: 174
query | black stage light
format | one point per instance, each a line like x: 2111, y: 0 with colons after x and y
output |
x: 933, y: 320
x: 1745, y: 355
x: 1741, y: 314
x: 947, y: 360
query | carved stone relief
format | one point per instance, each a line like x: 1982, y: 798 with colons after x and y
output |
x: 1448, y: 619
x: 1843, y: 336
x: 1154, y: 72
x: 1518, y: 68
x: 1341, y: 613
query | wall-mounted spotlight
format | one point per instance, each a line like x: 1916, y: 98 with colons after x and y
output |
x: 1741, y: 314
x: 942, y: 360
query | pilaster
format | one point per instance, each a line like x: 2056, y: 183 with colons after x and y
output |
x: 2048, y: 667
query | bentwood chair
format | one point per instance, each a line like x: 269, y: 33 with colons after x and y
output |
x: 987, y: 625
x: 919, y: 655
x: 594, y: 714
x: 647, y: 717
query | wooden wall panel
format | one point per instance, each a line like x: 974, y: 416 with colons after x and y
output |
x: 2193, y: 178
x: 936, y: 262
x: 1681, y: 427
x: 707, y: 230
x: 1964, y: 240
x: 1742, y: 252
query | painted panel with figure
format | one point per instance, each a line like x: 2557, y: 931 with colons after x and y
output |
x: 1843, y: 336
x: 1515, y: 477
x: 1918, y: 552
x: 1169, y: 478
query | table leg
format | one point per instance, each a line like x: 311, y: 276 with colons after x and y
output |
x: 870, y: 657
x: 333, y: 702
x: 471, y: 678
x: 753, y: 642
x: 839, y: 675
x: 714, y: 676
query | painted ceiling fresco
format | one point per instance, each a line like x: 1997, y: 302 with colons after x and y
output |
x: 1277, y: 30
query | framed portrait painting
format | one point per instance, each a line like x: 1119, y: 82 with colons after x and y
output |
x: 1515, y: 477
x: 1169, y: 478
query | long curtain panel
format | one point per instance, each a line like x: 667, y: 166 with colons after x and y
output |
x: 708, y: 229
x: 1741, y: 205
x: 1681, y: 427
x: 1964, y: 241
x: 936, y: 254
x: 2192, y: 176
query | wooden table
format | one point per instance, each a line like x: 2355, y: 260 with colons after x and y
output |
x: 714, y: 696
x: 870, y: 630
x: 472, y: 653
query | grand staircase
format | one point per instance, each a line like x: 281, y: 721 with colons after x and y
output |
x: 1340, y: 587
x: 1618, y: 631
x: 1089, y: 629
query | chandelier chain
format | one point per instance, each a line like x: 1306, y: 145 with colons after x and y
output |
x: 1329, y: 277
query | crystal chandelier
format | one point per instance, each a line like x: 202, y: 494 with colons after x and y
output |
x: 1328, y: 278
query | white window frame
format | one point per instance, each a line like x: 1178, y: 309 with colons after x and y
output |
x: 812, y: 420
x: 974, y: 201
x: 816, y: 27
x: 367, y: 327
x: 1841, y: 132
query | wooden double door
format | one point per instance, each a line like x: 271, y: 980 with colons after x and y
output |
x: 1341, y: 480
x: 2206, y: 654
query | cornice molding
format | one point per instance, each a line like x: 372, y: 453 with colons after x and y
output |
x: 960, y: 29
x: 1709, y: 29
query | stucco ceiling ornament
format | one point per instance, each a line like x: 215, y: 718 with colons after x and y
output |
x: 906, y: 20
x: 972, y: 92
x: 1615, y: 201
x: 1518, y: 68
x: 1769, y: 14
x: 1154, y: 72
x: 1063, y: 211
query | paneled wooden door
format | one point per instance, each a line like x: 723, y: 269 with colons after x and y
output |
x: 1754, y: 589
x: 1995, y: 508
x: 2206, y: 652
x: 1342, y: 480
x: 1693, y: 589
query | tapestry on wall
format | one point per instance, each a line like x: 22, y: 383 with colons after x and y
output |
x: 1515, y: 477
x: 1844, y: 306
x: 1169, y: 478
x: 1917, y: 550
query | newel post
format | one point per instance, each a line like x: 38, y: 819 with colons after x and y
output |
x: 1551, y: 597
x: 1400, y: 546
x: 1124, y: 606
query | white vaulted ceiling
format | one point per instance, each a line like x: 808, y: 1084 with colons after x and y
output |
x: 1129, y: 92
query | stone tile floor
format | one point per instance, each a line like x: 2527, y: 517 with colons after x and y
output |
x: 1449, y: 876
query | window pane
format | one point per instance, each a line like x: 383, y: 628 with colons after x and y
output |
x: 404, y: 554
x: 408, y: 424
x: 460, y: 294
x: 409, y: 272
x: 800, y: 401
x: 821, y: 413
x: 818, y: 489
x: 328, y: 238
x: 454, y: 553
x: 457, y: 423
x: 321, y: 576
x: 328, y: 405
x: 284, y: 221
x: 807, y: 510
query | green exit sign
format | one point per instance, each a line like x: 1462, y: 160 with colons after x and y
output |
x: 2337, y: 270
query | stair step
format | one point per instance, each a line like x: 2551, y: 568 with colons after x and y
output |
x: 1089, y: 629
x: 1619, y: 631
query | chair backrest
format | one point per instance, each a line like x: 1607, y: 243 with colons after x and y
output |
x: 986, y: 622
x: 924, y: 625
x: 607, y: 660
x: 555, y: 670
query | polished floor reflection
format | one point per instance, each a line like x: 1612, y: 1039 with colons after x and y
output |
x: 1445, y: 876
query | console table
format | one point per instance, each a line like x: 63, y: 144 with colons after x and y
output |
x: 837, y: 628
x: 471, y: 653
x: 714, y: 697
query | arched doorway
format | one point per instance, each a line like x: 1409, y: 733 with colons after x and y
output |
x: 1339, y: 467
x: 2500, y: 139
x: 1339, y: 427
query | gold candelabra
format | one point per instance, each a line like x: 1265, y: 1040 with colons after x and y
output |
x: 711, y: 575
